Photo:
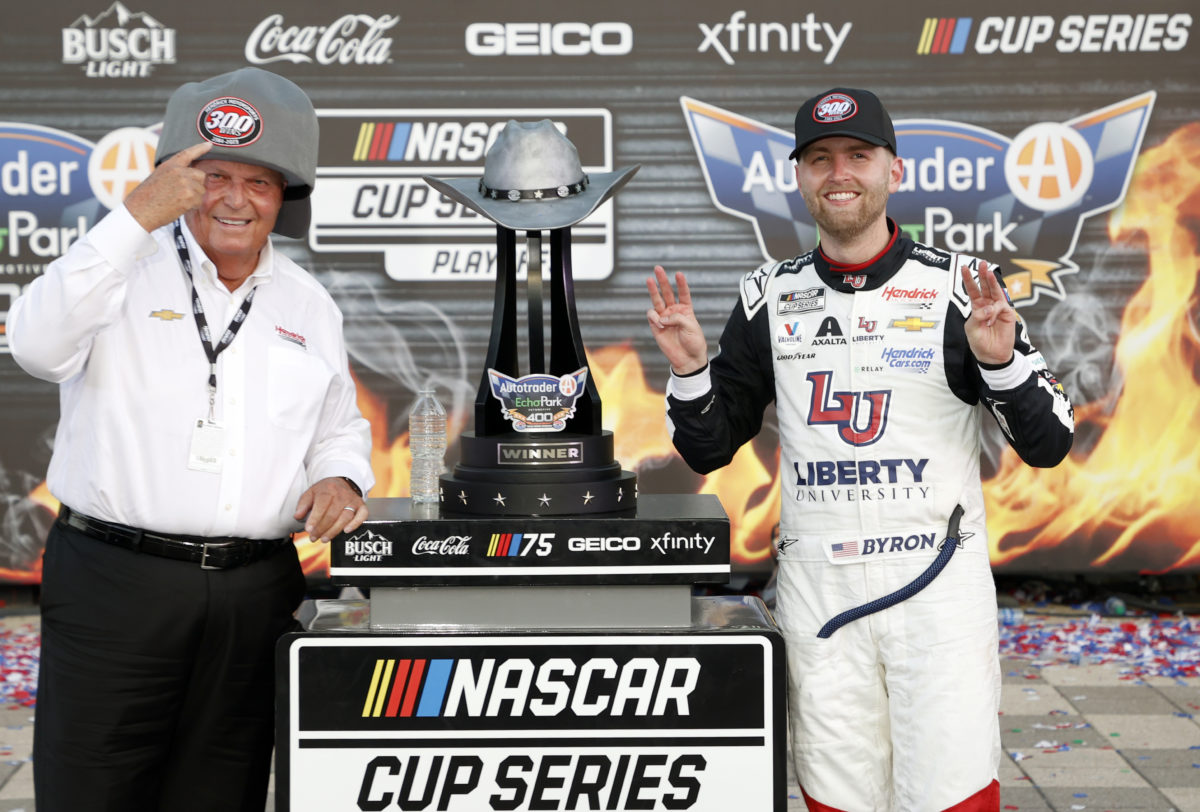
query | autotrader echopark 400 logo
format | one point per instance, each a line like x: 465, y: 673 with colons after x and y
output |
x: 1020, y: 201
x: 538, y: 402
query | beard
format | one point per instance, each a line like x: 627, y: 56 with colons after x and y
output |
x: 845, y: 225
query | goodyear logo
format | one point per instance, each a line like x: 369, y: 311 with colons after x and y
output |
x: 1020, y: 199
x: 515, y: 687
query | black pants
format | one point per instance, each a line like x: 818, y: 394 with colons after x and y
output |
x: 156, y: 683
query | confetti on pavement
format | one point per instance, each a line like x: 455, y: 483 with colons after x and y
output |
x: 1150, y: 647
x: 19, y: 665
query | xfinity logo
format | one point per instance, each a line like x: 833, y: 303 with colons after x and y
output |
x: 351, y: 38
x: 729, y: 38
x: 549, y: 39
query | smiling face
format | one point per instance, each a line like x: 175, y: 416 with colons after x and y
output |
x: 232, y: 224
x: 845, y: 183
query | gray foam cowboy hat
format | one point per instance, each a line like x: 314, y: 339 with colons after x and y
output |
x: 256, y: 117
x: 532, y: 179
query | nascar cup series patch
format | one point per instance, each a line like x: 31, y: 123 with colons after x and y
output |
x: 229, y: 122
x: 538, y: 402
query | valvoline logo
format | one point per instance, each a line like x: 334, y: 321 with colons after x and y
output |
x: 1020, y: 200
x: 834, y: 108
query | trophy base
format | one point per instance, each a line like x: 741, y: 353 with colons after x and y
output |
x: 547, y: 474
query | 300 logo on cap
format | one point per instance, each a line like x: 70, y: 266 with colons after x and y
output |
x: 229, y: 122
x: 834, y: 107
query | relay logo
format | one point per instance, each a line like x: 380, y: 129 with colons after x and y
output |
x: 519, y: 687
x: 1018, y: 200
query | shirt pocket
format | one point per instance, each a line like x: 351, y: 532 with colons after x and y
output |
x: 297, y: 384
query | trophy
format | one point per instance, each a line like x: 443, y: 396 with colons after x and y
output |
x: 538, y: 447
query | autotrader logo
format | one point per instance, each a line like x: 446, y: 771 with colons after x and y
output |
x: 549, y: 39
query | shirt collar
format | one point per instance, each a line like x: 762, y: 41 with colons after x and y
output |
x: 262, y: 272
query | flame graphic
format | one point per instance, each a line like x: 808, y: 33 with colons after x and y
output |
x: 1131, y: 498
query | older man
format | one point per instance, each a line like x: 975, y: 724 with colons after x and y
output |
x: 877, y: 352
x: 187, y: 452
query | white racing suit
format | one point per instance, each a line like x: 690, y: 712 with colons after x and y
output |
x: 877, y: 399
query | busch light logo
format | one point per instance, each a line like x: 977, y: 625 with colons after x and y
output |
x: 538, y: 402
x: 1019, y: 200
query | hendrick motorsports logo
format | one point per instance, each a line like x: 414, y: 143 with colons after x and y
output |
x: 1020, y: 201
x: 370, y: 195
x: 538, y: 402
x: 118, y: 44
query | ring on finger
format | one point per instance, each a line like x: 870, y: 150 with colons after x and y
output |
x: 352, y: 510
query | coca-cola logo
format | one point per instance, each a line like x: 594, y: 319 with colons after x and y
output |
x: 451, y: 545
x: 352, y: 38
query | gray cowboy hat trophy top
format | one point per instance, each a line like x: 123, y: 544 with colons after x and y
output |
x: 538, y: 447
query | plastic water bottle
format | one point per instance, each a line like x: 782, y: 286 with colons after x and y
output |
x: 427, y: 441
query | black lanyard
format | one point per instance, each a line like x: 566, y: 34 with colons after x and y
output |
x: 210, y: 350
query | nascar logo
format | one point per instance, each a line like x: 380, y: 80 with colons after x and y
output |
x: 641, y: 686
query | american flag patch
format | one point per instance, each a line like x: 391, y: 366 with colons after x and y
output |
x: 845, y: 548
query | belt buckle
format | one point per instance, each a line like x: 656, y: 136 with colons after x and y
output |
x: 204, y: 565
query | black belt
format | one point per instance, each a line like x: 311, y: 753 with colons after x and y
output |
x: 210, y: 553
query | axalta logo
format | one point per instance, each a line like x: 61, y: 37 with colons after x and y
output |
x: 520, y: 687
x: 1075, y: 33
x: 549, y: 39
x: 356, y: 39
x: 520, y: 544
x: 809, y: 36
x: 118, y: 44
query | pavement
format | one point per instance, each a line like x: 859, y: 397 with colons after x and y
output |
x: 1076, y: 737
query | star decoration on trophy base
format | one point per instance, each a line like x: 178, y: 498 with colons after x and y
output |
x: 540, y: 498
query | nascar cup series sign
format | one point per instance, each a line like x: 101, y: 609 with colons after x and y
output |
x: 370, y: 196
x: 690, y: 721
x: 1020, y: 201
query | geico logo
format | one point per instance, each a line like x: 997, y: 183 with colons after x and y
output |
x: 545, y: 39
x: 597, y: 544
x: 598, y: 686
x: 597, y: 781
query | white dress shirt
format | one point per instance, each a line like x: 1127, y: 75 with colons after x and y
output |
x: 111, y: 322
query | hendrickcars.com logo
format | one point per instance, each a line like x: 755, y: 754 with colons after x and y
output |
x: 1017, y: 200
x: 1075, y: 33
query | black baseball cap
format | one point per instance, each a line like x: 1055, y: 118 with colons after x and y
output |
x: 844, y: 111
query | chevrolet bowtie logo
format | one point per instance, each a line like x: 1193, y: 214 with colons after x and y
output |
x: 913, y: 324
x: 165, y: 315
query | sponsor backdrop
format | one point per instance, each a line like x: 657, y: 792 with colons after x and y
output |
x: 1064, y: 145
